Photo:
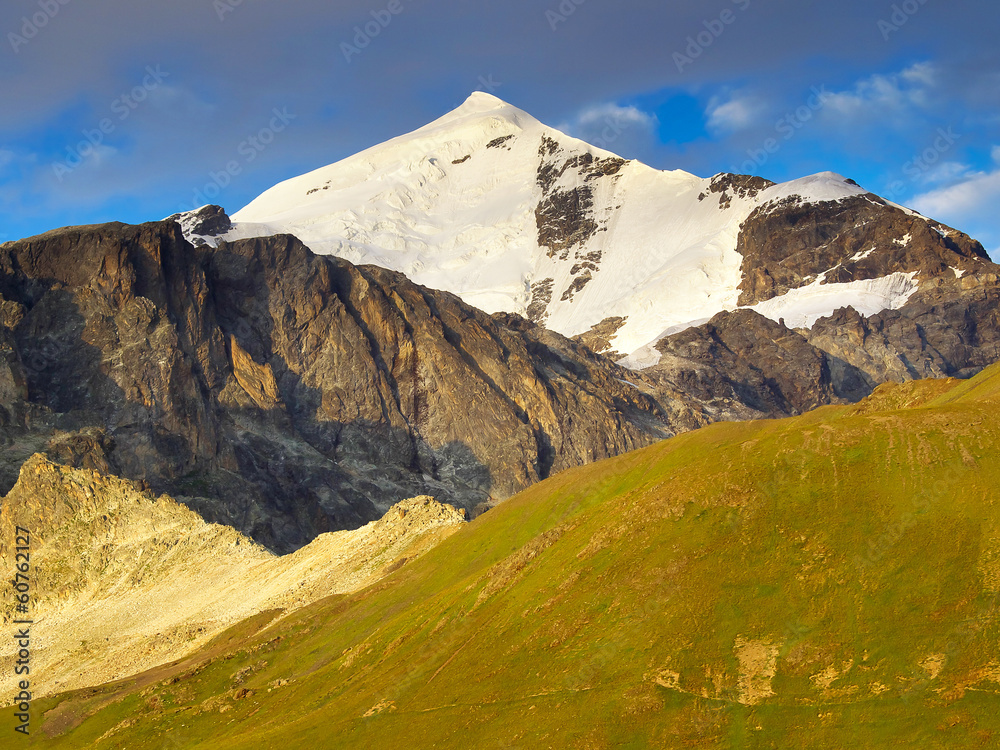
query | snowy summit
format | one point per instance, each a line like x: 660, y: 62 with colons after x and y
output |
x: 512, y: 215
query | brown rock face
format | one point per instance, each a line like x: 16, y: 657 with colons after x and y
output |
x: 287, y: 394
x: 742, y: 365
x: 257, y: 381
x: 790, y: 244
x: 599, y: 336
x: 565, y: 216
x: 949, y: 328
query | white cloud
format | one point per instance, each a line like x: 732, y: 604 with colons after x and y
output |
x: 925, y: 73
x: 970, y: 204
x: 977, y: 194
x: 893, y: 97
x: 738, y: 113
x: 604, y: 124
x: 947, y: 172
x: 6, y: 157
x: 610, y: 113
x: 894, y: 93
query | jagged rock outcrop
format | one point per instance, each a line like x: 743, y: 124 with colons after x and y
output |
x: 207, y: 221
x: 791, y: 243
x: 287, y: 394
x: 727, y: 186
x: 600, y: 336
x: 949, y: 328
x: 742, y: 365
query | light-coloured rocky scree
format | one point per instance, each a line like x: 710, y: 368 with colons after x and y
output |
x: 122, y: 581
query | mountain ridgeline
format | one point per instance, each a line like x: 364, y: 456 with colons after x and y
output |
x: 288, y: 394
x: 514, y: 216
x: 489, y: 314
x: 273, y: 374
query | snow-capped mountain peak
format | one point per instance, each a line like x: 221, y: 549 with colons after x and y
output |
x: 482, y: 105
x: 816, y: 188
x: 512, y: 215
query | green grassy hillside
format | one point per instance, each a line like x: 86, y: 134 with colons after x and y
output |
x: 827, y: 581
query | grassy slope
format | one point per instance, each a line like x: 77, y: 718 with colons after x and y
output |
x: 828, y: 581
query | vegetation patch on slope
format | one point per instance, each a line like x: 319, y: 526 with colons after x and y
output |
x: 830, y: 580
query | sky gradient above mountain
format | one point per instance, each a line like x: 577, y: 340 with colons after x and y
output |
x: 132, y: 112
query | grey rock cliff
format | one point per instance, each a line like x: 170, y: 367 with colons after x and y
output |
x: 287, y: 394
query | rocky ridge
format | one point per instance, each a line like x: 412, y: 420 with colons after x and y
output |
x: 287, y: 394
x: 789, y: 243
x: 741, y: 365
x: 517, y: 217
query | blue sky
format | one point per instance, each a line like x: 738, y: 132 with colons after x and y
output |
x: 128, y: 111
